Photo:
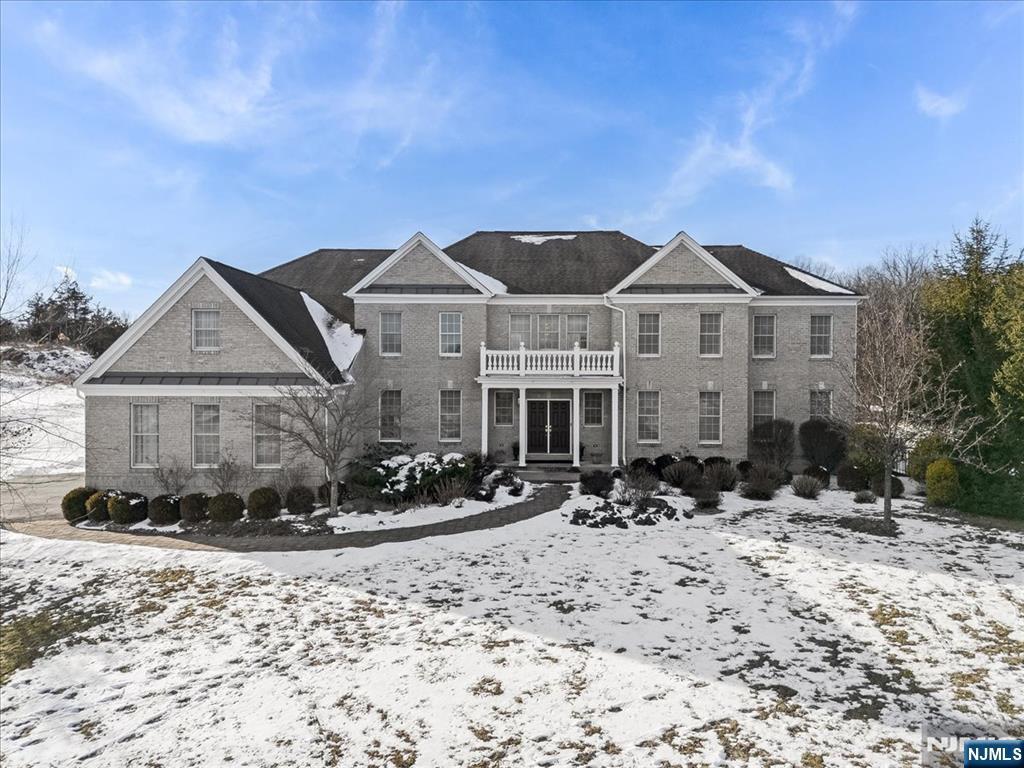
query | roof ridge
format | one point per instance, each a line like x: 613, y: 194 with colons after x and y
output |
x: 253, y: 274
x: 320, y: 250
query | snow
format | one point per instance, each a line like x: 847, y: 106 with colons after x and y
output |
x: 817, y: 282
x: 342, y: 342
x: 541, y: 239
x: 764, y: 635
x: 493, y: 284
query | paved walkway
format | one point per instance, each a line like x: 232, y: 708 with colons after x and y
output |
x: 544, y: 500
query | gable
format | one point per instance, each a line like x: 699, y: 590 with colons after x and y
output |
x: 681, y: 266
x: 419, y: 267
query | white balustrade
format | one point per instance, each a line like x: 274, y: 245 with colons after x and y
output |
x: 549, y: 362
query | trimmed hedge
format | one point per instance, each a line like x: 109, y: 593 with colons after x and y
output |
x: 264, y: 504
x: 925, y: 451
x: 743, y: 468
x: 225, y: 508
x: 663, y: 461
x: 711, y: 461
x: 165, y: 509
x: 73, y: 504
x: 193, y: 507
x: 822, y: 442
x: 126, y: 508
x: 820, y: 474
x: 643, y: 463
x: 96, y: 507
x: 851, y: 477
x: 299, y: 500
x: 596, y: 483
x: 878, y: 486
x: 942, y: 483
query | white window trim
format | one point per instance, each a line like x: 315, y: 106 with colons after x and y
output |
x: 380, y: 333
x: 448, y: 439
x: 721, y: 409
x: 775, y: 404
x: 511, y: 423
x: 558, y: 331
x: 600, y: 423
x: 647, y: 441
x: 380, y: 416
x: 131, y: 436
x: 831, y: 336
x: 280, y: 439
x: 194, y: 329
x: 529, y: 331
x: 586, y: 331
x: 440, y: 335
x: 721, y: 334
x: 220, y: 441
x: 648, y: 354
x: 775, y: 336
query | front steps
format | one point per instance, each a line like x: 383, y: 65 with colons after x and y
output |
x: 552, y: 473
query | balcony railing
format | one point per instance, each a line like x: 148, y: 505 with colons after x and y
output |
x: 549, y: 362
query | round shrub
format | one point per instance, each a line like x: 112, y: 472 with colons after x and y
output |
x: 596, y: 483
x: 73, y: 503
x: 743, y: 468
x: 165, y: 509
x: 822, y: 442
x: 720, y: 476
x: 942, y: 483
x: 762, y: 482
x: 264, y: 504
x: 663, y: 461
x: 299, y: 500
x: 711, y: 461
x: 225, y: 508
x: 698, y: 463
x: 864, y: 497
x: 807, y: 487
x: 96, y: 507
x: 369, y: 479
x: 645, y: 464
x: 851, y: 477
x: 126, y: 508
x: 925, y: 451
x: 483, y: 492
x: 193, y: 507
x: 684, y: 475
x: 706, y: 498
x: 878, y: 486
x: 820, y: 474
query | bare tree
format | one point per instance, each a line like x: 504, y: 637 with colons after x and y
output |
x: 230, y: 475
x: 13, y: 261
x: 173, y: 476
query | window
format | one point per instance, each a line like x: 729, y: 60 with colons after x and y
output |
x: 145, y: 435
x: 709, y: 418
x: 390, y: 411
x: 504, y: 405
x: 450, y: 415
x: 451, y: 334
x: 648, y: 334
x: 577, y: 330
x: 205, y: 329
x: 821, y: 404
x: 764, y: 335
x: 710, y: 334
x: 205, y: 435
x: 593, y: 409
x: 764, y: 406
x: 821, y: 335
x: 391, y: 333
x: 266, y: 435
x: 648, y: 416
x: 547, y: 331
x: 518, y: 331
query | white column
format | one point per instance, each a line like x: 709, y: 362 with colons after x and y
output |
x: 522, y: 426
x: 483, y: 419
x: 615, y: 426
x: 576, y: 423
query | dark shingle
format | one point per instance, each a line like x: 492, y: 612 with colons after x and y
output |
x: 764, y: 272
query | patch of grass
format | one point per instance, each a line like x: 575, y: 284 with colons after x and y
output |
x: 487, y: 686
x: 31, y: 636
x: 812, y: 760
x: 1004, y: 703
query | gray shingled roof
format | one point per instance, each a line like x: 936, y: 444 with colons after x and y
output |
x: 764, y: 272
x: 203, y: 379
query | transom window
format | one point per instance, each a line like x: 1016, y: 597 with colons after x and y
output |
x: 764, y: 335
x: 821, y: 403
x: 577, y: 330
x: 390, y: 411
x: 504, y: 406
x: 450, y: 415
x: 205, y: 435
x: 266, y: 435
x: 648, y: 334
x: 547, y: 331
x: 710, y: 334
x: 593, y: 409
x: 764, y: 406
x: 145, y: 434
x: 206, y: 329
x: 451, y: 334
x: 391, y: 333
x: 709, y: 418
x: 821, y: 335
x: 648, y: 416
x: 518, y: 331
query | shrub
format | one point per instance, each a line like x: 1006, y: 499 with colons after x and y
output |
x: 323, y: 491
x: 925, y: 451
x: 663, y: 461
x: 819, y: 473
x: 878, y: 486
x: 412, y: 477
x: 711, y: 461
x: 484, y: 492
x: 126, y: 508
x: 763, y: 480
x: 481, y: 465
x: 942, y: 483
x: 264, y: 504
x: 507, y: 478
x: 516, y: 487
x: 642, y: 463
x: 596, y: 483
x: 96, y: 507
x: 822, y: 442
x: 193, y: 507
x: 225, y: 507
x: 867, y: 450
x: 684, y: 475
x: 864, y: 497
x: 73, y: 503
x: 165, y: 509
x: 771, y: 442
x: 698, y: 463
x: 720, y: 477
x: 639, y: 487
x: 807, y: 487
x: 299, y: 500
x: 851, y: 477
x: 706, y: 498
x: 448, y: 489
x: 743, y: 468
x: 375, y: 453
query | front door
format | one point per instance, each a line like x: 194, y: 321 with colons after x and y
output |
x: 558, y: 420
x: 548, y: 427
x: 537, y: 426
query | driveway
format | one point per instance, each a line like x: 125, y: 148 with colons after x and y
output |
x: 35, y: 497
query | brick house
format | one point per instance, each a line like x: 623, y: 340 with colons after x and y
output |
x: 582, y: 347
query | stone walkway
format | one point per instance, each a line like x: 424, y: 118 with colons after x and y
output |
x: 544, y: 500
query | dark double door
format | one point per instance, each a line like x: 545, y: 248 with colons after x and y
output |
x: 548, y: 427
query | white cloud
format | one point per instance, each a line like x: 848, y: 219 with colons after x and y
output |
x: 938, y: 106
x: 65, y: 271
x: 109, y: 280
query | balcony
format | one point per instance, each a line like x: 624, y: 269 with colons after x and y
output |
x: 549, y: 362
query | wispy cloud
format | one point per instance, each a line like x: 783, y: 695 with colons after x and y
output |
x: 109, y: 280
x: 936, y: 105
x: 65, y: 271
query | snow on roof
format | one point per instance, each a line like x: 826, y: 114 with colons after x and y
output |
x: 493, y: 284
x: 817, y: 282
x: 541, y: 239
x: 343, y: 344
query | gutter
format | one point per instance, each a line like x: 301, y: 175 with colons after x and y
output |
x: 622, y: 410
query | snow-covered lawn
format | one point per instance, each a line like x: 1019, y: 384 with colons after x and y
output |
x: 766, y: 635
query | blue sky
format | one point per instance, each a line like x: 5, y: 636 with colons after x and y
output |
x: 134, y: 138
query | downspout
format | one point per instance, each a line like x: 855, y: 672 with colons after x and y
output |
x: 622, y: 410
